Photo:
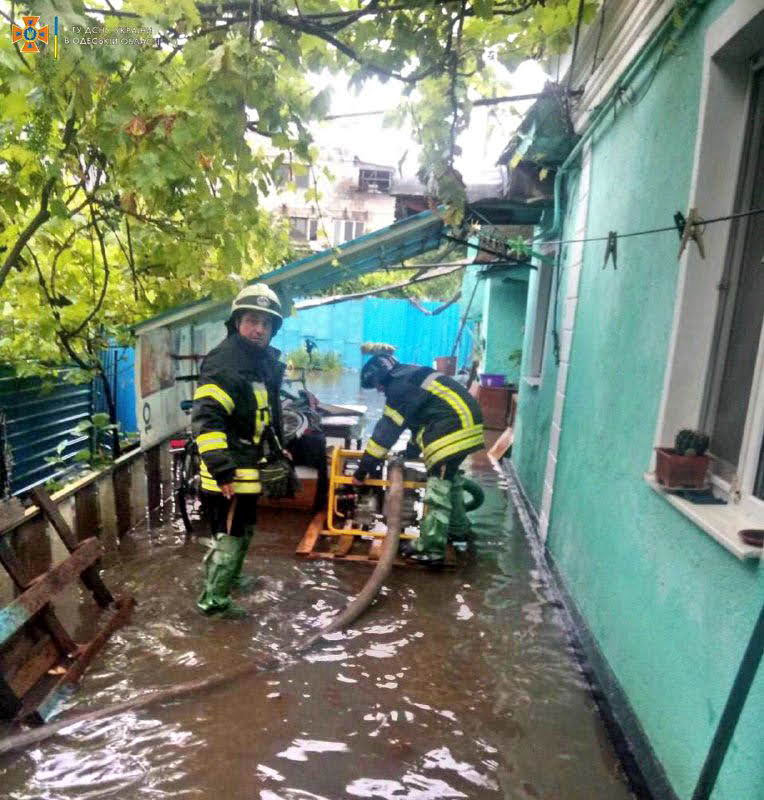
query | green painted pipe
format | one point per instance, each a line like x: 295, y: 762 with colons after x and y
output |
x: 668, y: 28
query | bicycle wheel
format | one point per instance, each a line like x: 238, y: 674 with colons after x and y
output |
x: 188, y: 495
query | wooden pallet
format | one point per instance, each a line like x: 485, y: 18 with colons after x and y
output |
x: 317, y: 543
x: 40, y: 664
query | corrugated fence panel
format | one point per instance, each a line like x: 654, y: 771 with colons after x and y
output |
x: 342, y: 327
x: 36, y: 420
x: 418, y: 338
x: 119, y: 365
x: 335, y: 329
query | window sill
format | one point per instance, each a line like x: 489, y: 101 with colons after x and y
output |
x: 534, y: 382
x: 721, y: 523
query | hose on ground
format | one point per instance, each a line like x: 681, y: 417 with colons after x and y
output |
x: 261, y: 663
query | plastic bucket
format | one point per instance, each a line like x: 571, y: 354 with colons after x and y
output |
x: 492, y: 380
x: 446, y: 364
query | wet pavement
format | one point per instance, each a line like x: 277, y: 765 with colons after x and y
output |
x: 455, y: 684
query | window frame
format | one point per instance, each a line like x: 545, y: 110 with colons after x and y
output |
x: 731, y: 46
x: 358, y: 227
x: 752, y: 442
x: 545, y: 286
x: 292, y: 230
x: 367, y: 176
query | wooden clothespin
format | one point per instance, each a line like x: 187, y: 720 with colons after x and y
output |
x: 692, y: 230
x: 611, y: 249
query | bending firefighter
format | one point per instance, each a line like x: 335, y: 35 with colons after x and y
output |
x: 446, y: 426
x: 237, y: 426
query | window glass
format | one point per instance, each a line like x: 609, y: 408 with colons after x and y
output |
x: 298, y: 228
x: 743, y: 308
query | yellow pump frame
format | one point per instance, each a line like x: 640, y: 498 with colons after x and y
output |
x: 337, y: 478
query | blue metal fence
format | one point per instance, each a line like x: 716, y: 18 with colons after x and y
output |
x: 335, y: 329
x: 342, y: 327
x: 36, y: 418
x: 418, y: 338
x: 119, y: 366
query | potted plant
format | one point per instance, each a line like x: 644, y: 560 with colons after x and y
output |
x: 684, y: 465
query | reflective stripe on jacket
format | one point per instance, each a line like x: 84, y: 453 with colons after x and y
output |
x: 445, y: 420
x: 236, y: 414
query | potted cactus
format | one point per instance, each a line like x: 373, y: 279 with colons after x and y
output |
x: 684, y: 465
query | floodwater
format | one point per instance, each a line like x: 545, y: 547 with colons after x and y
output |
x: 455, y: 684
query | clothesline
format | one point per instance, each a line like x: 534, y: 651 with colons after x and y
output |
x: 751, y: 212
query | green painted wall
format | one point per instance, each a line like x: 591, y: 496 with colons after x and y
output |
x: 505, y: 301
x: 531, y: 434
x: 669, y: 608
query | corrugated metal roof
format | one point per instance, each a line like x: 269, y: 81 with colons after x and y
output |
x: 403, y: 239
x: 406, y: 238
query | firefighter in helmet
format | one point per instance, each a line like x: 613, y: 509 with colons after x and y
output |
x: 446, y: 426
x: 236, y: 422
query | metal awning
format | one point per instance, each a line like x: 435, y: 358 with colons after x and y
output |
x: 407, y: 238
x: 404, y: 239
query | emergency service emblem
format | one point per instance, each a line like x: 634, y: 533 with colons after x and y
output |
x: 30, y: 34
x: 263, y: 302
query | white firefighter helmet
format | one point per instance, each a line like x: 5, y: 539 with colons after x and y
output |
x: 258, y: 297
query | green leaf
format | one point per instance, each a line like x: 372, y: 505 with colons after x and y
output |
x: 100, y: 420
x: 58, y: 208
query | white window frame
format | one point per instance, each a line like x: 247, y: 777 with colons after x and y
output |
x: 358, y: 227
x: 731, y: 42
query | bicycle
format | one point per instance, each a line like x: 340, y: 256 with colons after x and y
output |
x: 186, y: 472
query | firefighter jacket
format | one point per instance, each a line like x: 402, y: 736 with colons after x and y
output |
x: 444, y: 419
x: 236, y: 417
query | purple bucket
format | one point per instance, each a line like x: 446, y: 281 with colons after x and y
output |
x: 492, y: 380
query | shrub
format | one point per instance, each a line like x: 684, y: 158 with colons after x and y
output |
x: 325, y: 362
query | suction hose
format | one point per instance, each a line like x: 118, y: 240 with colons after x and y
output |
x: 261, y: 663
x: 476, y: 492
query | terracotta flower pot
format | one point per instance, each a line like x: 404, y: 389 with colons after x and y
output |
x: 446, y: 365
x: 680, y: 472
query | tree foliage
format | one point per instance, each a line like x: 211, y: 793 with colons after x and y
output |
x: 129, y: 181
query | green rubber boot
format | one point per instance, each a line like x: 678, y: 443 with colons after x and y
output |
x: 458, y: 523
x: 219, y: 567
x: 243, y: 583
x: 430, y: 547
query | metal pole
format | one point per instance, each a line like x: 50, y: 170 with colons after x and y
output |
x: 464, y: 318
x: 731, y: 714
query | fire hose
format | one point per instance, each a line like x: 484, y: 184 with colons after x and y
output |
x: 260, y: 663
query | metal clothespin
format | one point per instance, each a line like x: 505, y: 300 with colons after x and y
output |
x: 680, y: 222
x: 692, y: 230
x: 611, y: 249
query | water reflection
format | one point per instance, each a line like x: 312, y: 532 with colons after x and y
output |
x: 455, y: 684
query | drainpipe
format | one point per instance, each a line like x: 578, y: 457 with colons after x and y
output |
x: 667, y: 29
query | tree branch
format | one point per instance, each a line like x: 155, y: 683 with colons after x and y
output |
x: 454, y: 56
x: 97, y: 305
x: 43, y: 214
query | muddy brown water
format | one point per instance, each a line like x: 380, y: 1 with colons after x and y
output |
x: 455, y: 684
